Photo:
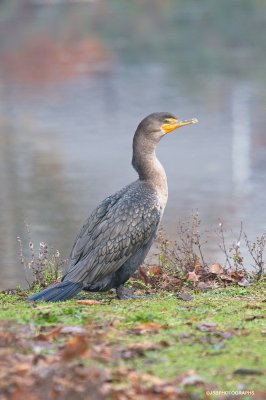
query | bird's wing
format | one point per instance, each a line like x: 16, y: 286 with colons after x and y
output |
x: 117, y: 229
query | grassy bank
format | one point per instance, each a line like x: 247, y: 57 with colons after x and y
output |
x: 160, y: 346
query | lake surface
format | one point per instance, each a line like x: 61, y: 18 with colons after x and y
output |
x: 72, y: 95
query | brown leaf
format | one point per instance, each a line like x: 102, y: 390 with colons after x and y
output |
x: 75, y: 347
x: 216, y: 269
x: 253, y: 306
x: 88, y: 302
x: 154, y: 380
x: 198, y: 269
x: 226, y: 334
x: 149, y: 327
x: 250, y: 317
x: 241, y: 332
x: 22, y: 368
x: 206, y: 327
x: 22, y: 393
x: 203, y: 286
x: 185, y: 296
x: 226, y: 277
x: 185, y: 335
x: 237, y: 275
x: 138, y: 349
x: 192, y: 276
x: 115, y: 323
x: 103, y: 353
x: 49, y: 336
x: 155, y: 270
x: 244, y: 282
x: 143, y: 275
x: 247, y: 371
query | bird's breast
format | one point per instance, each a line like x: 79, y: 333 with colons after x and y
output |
x: 159, y: 184
x: 162, y: 196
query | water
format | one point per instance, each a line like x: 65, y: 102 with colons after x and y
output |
x: 69, y: 108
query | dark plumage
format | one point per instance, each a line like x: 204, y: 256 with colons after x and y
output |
x: 117, y: 236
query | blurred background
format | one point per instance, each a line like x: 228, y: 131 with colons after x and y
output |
x: 76, y: 78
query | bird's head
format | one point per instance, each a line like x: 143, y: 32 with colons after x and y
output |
x: 158, y: 124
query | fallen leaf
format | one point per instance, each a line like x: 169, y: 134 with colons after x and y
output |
x: 22, y: 368
x: 247, y: 371
x: 198, y: 269
x: 203, y: 286
x: 185, y: 335
x: 21, y: 393
x: 237, y: 275
x: 226, y: 277
x: 250, y: 317
x: 206, y: 327
x: 149, y: 327
x: 49, y: 336
x: 115, y: 323
x: 155, y: 270
x: 138, y: 349
x: 241, y: 332
x: 143, y: 275
x: 151, y: 379
x: 103, y: 353
x: 88, y: 302
x: 225, y: 335
x: 75, y: 347
x: 185, y: 296
x: 216, y: 269
x: 192, y: 276
x: 244, y: 282
x: 253, y: 306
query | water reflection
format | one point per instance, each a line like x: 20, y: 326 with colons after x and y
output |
x: 68, y: 116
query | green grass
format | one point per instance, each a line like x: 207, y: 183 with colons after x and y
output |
x: 236, y: 311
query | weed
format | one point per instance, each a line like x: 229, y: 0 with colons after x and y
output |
x: 256, y: 250
x: 233, y: 256
x: 182, y: 262
x: 43, y: 266
x: 187, y: 251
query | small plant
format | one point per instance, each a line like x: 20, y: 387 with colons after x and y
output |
x: 256, y: 250
x: 42, y: 266
x: 233, y: 256
x: 182, y: 263
x: 187, y: 251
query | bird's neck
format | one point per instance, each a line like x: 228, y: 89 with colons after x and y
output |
x: 147, y: 165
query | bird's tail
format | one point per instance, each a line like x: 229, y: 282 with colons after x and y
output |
x: 61, y: 291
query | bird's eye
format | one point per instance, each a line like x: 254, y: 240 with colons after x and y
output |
x: 166, y: 121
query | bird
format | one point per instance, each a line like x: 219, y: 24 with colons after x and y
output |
x: 117, y: 236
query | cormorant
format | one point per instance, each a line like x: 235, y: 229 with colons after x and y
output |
x: 116, y: 238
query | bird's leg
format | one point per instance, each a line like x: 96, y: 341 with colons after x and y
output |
x: 125, y: 293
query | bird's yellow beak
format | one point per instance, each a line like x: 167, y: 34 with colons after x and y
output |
x: 172, y: 124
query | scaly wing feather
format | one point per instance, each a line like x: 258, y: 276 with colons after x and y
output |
x: 117, y: 229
